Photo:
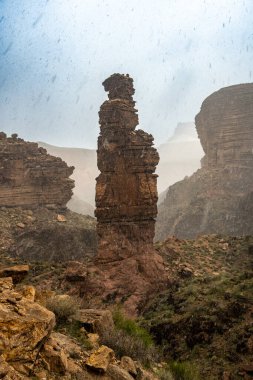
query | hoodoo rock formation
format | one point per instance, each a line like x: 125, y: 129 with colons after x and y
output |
x: 29, y: 177
x: 126, y: 198
x: 218, y: 198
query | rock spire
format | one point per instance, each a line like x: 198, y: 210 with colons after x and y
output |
x: 126, y: 194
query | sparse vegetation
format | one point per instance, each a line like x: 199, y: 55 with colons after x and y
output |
x: 131, y: 328
x: 205, y: 319
x: 74, y: 329
x: 63, y: 306
x: 178, y: 371
x: 165, y: 374
x: 183, y: 371
x: 129, y: 339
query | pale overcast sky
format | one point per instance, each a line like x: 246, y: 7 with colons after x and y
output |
x: 54, y: 54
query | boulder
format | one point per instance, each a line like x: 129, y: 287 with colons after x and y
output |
x: 16, y: 272
x: 117, y: 373
x: 100, y: 359
x: 24, y: 326
x: 95, y: 321
x: 128, y: 364
x: 66, y: 343
x: 75, y: 272
x: 28, y: 292
x: 6, y: 283
x: 54, y: 357
x: 8, y: 373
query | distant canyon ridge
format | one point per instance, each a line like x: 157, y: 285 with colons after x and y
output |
x: 218, y: 197
x: 205, y: 174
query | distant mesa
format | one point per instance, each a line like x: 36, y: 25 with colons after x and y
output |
x: 218, y: 198
x: 85, y: 163
x: 29, y: 177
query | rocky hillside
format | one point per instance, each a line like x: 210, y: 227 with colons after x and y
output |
x: 45, y: 235
x: 205, y: 316
x: 218, y: 197
x: 57, y: 339
x: 46, y: 333
x: 202, y: 323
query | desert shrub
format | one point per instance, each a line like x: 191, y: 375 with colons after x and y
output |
x: 183, y: 371
x: 129, y: 339
x: 165, y: 374
x: 63, y: 306
x: 124, y: 344
x: 130, y: 327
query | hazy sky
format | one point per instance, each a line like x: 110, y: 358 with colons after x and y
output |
x: 54, y: 54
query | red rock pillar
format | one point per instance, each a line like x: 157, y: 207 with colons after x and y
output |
x: 126, y: 190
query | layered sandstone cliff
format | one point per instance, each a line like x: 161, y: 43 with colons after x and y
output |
x: 225, y: 128
x: 126, y: 197
x: 29, y: 177
x: 218, y: 198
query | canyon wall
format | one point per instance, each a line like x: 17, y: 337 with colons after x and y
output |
x: 218, y: 197
x: 29, y: 177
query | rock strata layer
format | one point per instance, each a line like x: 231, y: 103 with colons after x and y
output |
x: 218, y: 198
x: 29, y: 177
x: 126, y: 197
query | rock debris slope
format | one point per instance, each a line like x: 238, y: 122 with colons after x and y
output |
x: 29, y: 177
x: 126, y: 198
x: 218, y: 198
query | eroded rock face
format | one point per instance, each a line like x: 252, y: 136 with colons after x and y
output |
x: 218, y: 197
x: 126, y: 196
x: 29, y: 177
x: 225, y: 128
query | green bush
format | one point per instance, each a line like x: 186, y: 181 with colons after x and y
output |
x: 183, y: 371
x: 165, y: 374
x: 131, y: 328
x: 124, y: 344
x: 129, y: 339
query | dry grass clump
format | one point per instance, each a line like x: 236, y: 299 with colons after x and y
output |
x: 129, y: 339
x: 63, y: 306
x: 128, y: 345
